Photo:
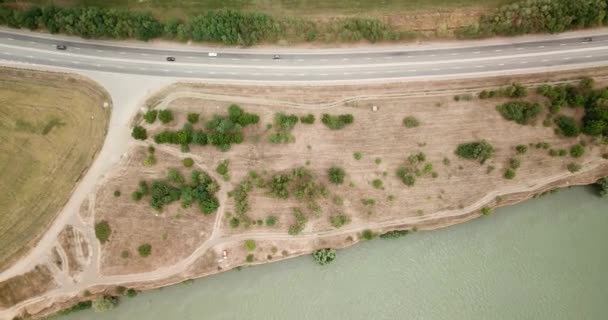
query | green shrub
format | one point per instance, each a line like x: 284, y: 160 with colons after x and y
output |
x: 519, y: 111
x: 222, y: 169
x: 150, y: 116
x: 514, y: 163
x: 486, y: 211
x: 80, y: 306
x: 337, y: 122
x: 117, y: 193
x: 477, y: 150
x: 357, y: 155
x: 336, y: 175
x: 377, y: 183
x: 234, y: 222
x: 521, y: 149
x: 367, y: 234
x: 271, y: 221
x: 132, y: 293
x: 283, y: 125
x: 300, y: 223
x: 515, y: 90
x: 577, y: 151
x: 410, y: 122
x: 308, y: 119
x: 509, y: 174
x: 250, y: 245
x: 573, y: 167
x: 567, y: 126
x: 188, y: 162
x: 144, y: 250
x: 165, y: 116
x: 249, y: 258
x: 139, y: 133
x: 193, y: 117
x: 324, y: 256
x: 103, y: 231
x: 394, y: 234
x: 339, y: 220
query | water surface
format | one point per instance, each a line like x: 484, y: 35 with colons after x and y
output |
x: 544, y: 259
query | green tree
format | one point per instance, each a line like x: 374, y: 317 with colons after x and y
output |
x: 193, y: 118
x: 105, y: 303
x: 250, y: 245
x: 602, y: 185
x: 478, y: 150
x: 339, y: 220
x: 271, y: 221
x: 165, y: 116
x: 324, y: 256
x: 139, y: 133
x: 103, y: 231
x: 188, y: 162
x: 410, y: 122
x: 150, y: 116
x: 577, y: 151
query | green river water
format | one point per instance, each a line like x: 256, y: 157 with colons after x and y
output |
x: 544, y: 259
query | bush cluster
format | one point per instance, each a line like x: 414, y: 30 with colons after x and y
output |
x: 537, y: 16
x: 150, y: 116
x: 324, y: 256
x: 336, y: 175
x: 337, y: 122
x: 477, y: 150
x: 410, y: 122
x: 408, y: 172
x: 515, y: 90
x: 339, y: 220
x: 201, y: 189
x: 394, y: 234
x: 145, y: 250
x: 519, y: 111
x: 283, y: 125
x: 139, y: 133
x: 567, y: 126
x: 602, y: 185
x: 103, y: 231
x: 300, y: 223
x: 308, y: 119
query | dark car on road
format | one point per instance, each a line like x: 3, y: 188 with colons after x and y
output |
x: 276, y: 57
x: 587, y: 39
x: 61, y: 47
x: 170, y: 58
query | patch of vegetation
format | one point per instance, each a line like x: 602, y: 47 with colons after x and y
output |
x: 165, y: 116
x: 519, y: 111
x: 515, y: 90
x: 193, y: 117
x: 150, y: 116
x: 139, y: 133
x: 117, y: 193
x: 324, y: 256
x: 201, y: 189
x: 408, y: 172
x: 602, y: 185
x: 283, y: 125
x: 221, y: 131
x: 300, y: 223
x: 567, y: 126
x: 249, y: 258
x: 377, y: 183
x: 514, y: 163
x: 188, y: 162
x: 308, y: 119
x: 338, y: 122
x: 271, y: 221
x: 486, y: 211
x: 223, y: 170
x: 339, y: 220
x: 105, y: 303
x: 573, y: 167
x: 410, y: 122
x: 336, y: 175
x: 577, y: 151
x: 509, y: 174
x: 476, y: 150
x: 367, y: 234
x: 132, y: 293
x: 394, y: 234
x: 250, y: 245
x: 144, y: 250
x: 80, y: 306
x: 103, y: 231
x: 378, y: 161
x: 357, y: 155
x: 463, y: 97
x: 521, y: 148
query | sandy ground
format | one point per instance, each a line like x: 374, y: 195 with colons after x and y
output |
x: 192, y: 245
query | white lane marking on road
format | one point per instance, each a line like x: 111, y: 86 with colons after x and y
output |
x: 477, y: 52
x: 31, y: 57
x: 278, y: 74
x: 123, y: 52
x: 562, y: 44
x: 255, y: 59
x: 388, y: 58
x: 519, y: 49
x: 10, y: 39
x: 76, y: 48
x: 233, y: 73
x: 540, y: 47
x: 211, y: 72
x: 98, y: 65
x: 75, y: 62
x: 501, y: 64
x: 545, y: 60
x: 454, y: 54
x: 588, y: 57
x: 120, y: 67
x: 100, y: 51
x: 524, y: 62
x: 456, y: 68
x: 498, y: 50
x: 346, y: 73
x: 433, y: 55
x: 254, y: 74
x: 6, y: 53
x: 143, y: 69
x: 368, y: 58
x: 235, y: 59
x: 165, y: 70
x: 345, y: 59
x: 323, y: 60
x: 301, y: 74
x: 51, y: 59
x: 189, y: 71
x: 144, y: 54
x: 300, y: 60
x: 566, y: 58
x: 436, y: 69
x: 324, y: 74
x: 480, y: 66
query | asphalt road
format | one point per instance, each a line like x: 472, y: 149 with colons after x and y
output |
x: 317, y: 65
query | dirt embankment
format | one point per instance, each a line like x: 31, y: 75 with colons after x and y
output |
x: 187, y: 244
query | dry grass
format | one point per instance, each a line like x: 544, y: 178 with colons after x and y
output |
x: 51, y: 127
x: 25, y: 286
